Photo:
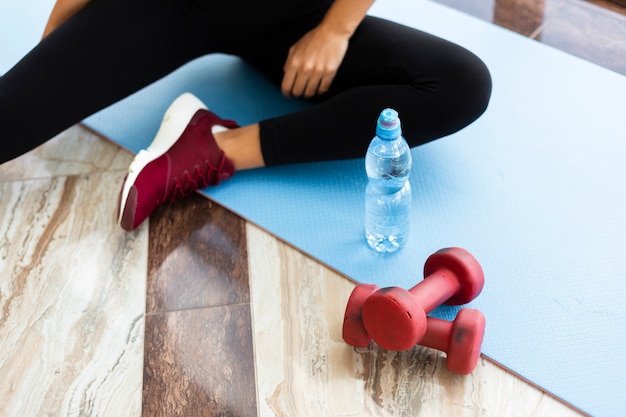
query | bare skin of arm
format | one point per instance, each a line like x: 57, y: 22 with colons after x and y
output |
x: 62, y: 10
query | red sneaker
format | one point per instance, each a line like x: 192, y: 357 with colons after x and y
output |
x: 182, y: 158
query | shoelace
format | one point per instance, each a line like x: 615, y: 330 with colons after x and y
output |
x: 198, y: 179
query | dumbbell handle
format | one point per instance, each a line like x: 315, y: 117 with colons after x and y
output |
x: 461, y: 342
x: 436, y: 289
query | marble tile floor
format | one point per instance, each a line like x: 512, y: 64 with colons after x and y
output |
x: 200, y: 313
x: 72, y: 287
x: 197, y: 313
x: 594, y: 30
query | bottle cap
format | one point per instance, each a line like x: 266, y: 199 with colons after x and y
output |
x: 388, y: 125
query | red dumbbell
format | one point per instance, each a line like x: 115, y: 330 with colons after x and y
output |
x: 460, y: 340
x: 353, y: 331
x: 396, y: 318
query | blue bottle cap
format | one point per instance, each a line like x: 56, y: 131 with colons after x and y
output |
x: 388, y: 125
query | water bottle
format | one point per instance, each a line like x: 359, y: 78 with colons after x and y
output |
x: 388, y: 193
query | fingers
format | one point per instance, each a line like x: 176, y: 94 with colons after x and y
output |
x: 303, y: 86
x: 287, y: 85
x: 306, y: 82
x: 312, y: 64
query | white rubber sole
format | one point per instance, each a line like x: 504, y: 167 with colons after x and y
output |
x: 173, y: 124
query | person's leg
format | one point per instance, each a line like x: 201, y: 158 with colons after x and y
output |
x: 194, y: 147
x: 436, y: 86
x: 263, y: 27
x: 243, y: 146
x: 267, y: 51
x: 107, y: 51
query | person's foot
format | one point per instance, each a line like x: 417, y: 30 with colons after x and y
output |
x: 182, y: 158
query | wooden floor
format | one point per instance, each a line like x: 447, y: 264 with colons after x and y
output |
x: 199, y: 313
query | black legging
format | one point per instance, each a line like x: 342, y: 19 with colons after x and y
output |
x: 113, y: 48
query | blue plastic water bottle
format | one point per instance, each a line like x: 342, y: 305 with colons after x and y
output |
x: 388, y: 193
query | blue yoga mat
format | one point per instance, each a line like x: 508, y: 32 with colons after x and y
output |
x: 535, y: 189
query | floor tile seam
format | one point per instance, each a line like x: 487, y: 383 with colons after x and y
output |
x: 211, y: 307
x: 291, y: 246
x: 534, y: 36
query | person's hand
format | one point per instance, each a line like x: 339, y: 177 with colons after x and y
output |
x: 312, y: 63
